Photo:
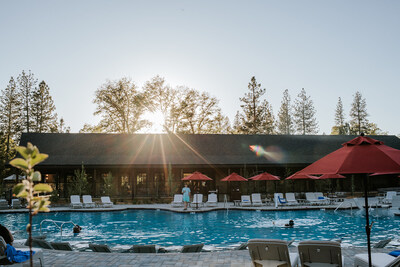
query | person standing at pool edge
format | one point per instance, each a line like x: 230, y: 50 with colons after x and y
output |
x: 186, y: 195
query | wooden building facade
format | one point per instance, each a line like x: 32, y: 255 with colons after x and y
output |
x: 150, y: 166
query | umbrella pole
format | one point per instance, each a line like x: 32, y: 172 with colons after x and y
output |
x: 367, y: 226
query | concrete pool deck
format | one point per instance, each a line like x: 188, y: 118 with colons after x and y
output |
x: 233, y: 258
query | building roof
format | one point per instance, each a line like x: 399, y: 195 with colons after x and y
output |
x: 186, y: 149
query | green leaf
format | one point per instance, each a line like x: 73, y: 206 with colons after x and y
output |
x: 23, y: 151
x: 36, y: 177
x: 38, y: 158
x: 18, y: 188
x: 23, y: 194
x: 42, y: 188
x: 19, y: 163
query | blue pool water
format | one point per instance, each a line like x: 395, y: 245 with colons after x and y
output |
x: 218, y: 229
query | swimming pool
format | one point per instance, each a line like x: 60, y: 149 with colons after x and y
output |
x: 217, y: 229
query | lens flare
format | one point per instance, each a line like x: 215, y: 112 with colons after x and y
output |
x: 271, y: 153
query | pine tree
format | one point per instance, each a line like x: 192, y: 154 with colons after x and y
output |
x: 285, y: 119
x: 358, y: 114
x: 10, y: 107
x: 256, y: 117
x: 341, y: 126
x: 25, y: 85
x: 304, y: 114
x: 43, y: 110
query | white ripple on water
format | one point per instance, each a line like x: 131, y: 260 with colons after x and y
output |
x: 268, y: 223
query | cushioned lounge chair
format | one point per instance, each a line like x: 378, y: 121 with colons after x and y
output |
x: 15, y: 203
x: 212, y: 200
x: 87, y: 201
x: 382, y: 243
x: 61, y: 246
x: 395, y: 203
x: 389, y: 197
x: 197, y: 200
x: 320, y: 253
x: 256, y: 199
x: 75, y: 202
x: 279, y: 199
x: 291, y: 199
x: 378, y: 260
x: 143, y: 249
x: 37, y: 257
x: 192, y: 248
x: 100, y: 248
x: 178, y: 201
x: 106, y: 202
x: 271, y: 252
x: 3, y: 204
x: 322, y: 198
x: 41, y: 243
x: 245, y: 201
x: 313, y: 199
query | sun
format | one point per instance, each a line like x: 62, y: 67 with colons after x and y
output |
x: 157, y: 120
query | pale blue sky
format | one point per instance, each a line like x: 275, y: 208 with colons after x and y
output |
x: 331, y: 48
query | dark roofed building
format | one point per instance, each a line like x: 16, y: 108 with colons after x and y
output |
x: 151, y: 165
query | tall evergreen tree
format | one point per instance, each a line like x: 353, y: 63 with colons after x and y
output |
x: 43, y: 110
x: 358, y: 115
x: 10, y: 108
x: 285, y: 117
x: 341, y: 126
x: 26, y: 83
x: 256, y: 116
x: 304, y: 114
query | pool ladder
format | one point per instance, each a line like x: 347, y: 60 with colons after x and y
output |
x: 58, y: 224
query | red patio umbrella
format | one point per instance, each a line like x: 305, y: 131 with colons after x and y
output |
x: 331, y: 176
x: 265, y: 176
x: 196, y: 176
x: 234, y: 177
x: 301, y: 176
x: 361, y: 155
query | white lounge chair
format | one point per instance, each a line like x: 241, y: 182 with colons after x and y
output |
x: 212, y: 200
x: 313, y: 199
x: 378, y: 260
x: 15, y: 203
x: 389, y: 197
x: 106, y: 202
x: 291, y: 199
x: 178, y: 201
x: 75, y: 202
x: 322, y: 198
x: 395, y: 203
x: 245, y: 201
x: 197, y: 200
x: 3, y: 204
x: 271, y: 252
x: 87, y: 201
x: 256, y: 199
x: 320, y: 253
x: 38, y: 256
x: 279, y: 199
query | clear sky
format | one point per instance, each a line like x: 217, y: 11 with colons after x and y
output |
x: 331, y: 48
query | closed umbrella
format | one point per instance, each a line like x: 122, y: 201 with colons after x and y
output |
x: 361, y: 155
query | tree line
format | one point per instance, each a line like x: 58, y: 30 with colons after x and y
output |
x: 122, y: 105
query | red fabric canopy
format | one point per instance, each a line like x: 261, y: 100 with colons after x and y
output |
x: 234, y: 177
x: 196, y: 176
x: 265, y: 176
x: 301, y: 176
x: 360, y: 155
x: 330, y: 176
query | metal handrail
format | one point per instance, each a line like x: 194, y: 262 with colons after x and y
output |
x: 56, y: 224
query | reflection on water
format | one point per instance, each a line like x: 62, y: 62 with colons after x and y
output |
x: 219, y: 229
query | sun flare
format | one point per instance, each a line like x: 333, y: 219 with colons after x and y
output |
x: 157, y: 120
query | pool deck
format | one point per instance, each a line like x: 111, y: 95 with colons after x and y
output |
x: 233, y: 258
x: 203, y: 208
